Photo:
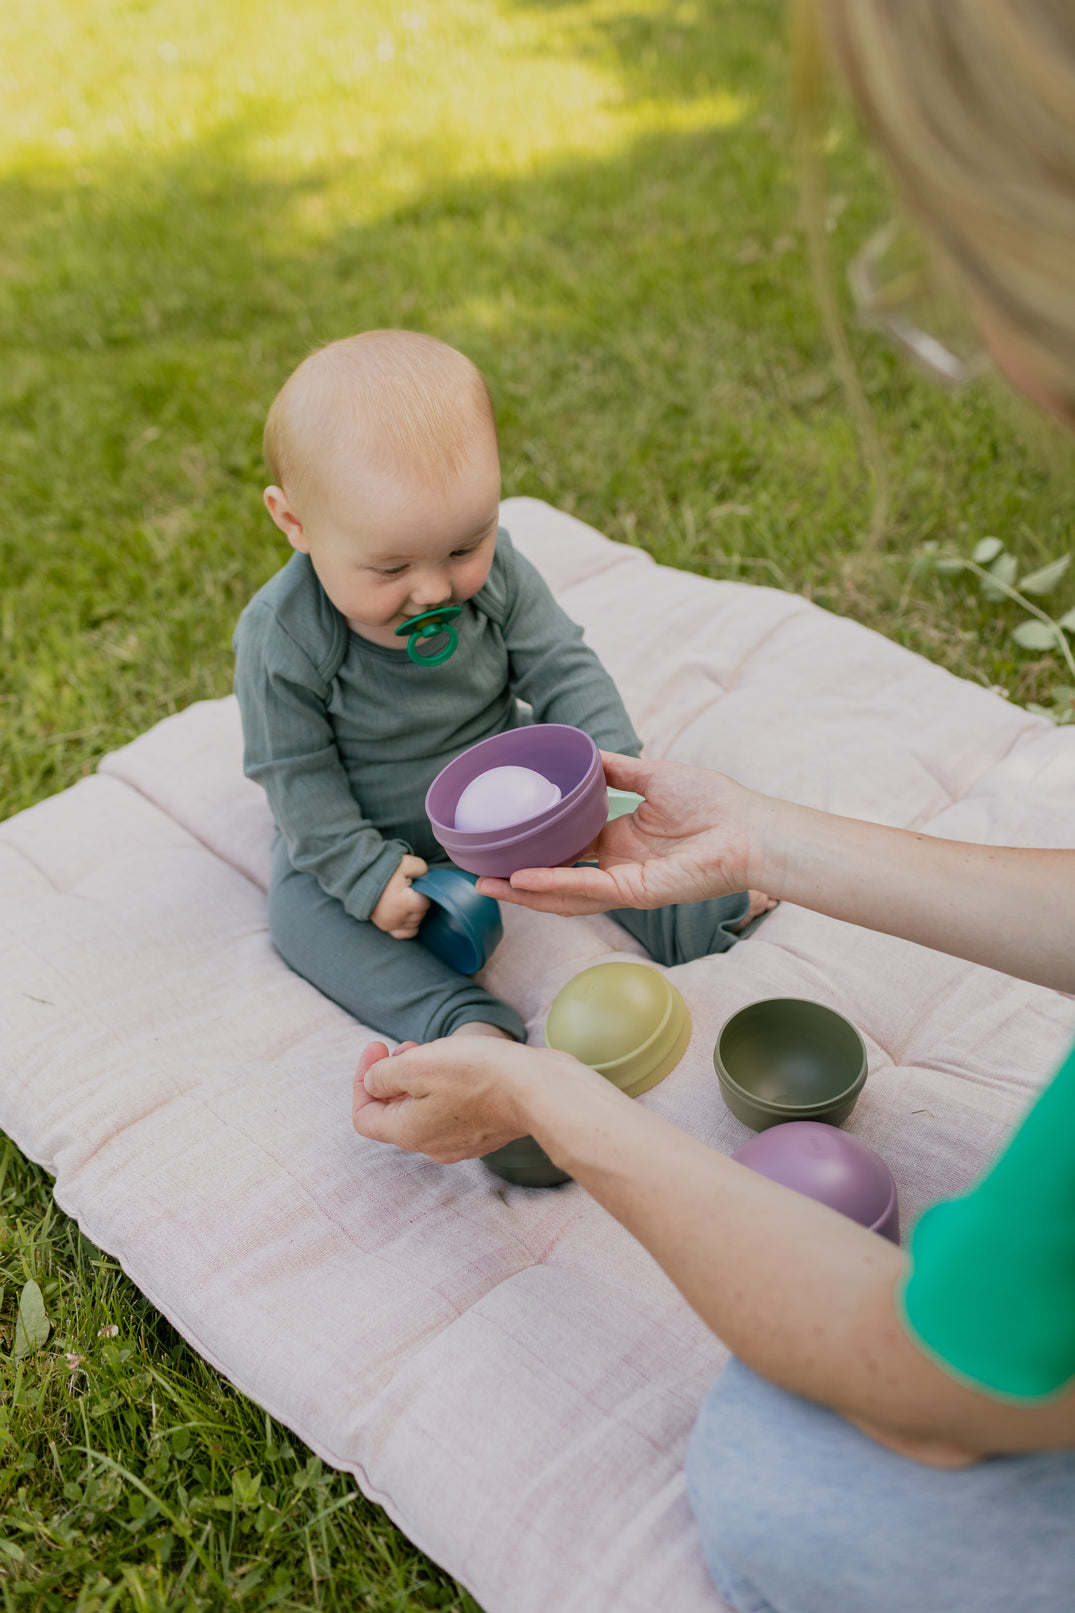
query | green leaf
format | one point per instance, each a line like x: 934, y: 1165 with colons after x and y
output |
x: 1003, y: 569
x: 1060, y: 715
x: 987, y: 550
x: 949, y: 565
x: 245, y: 1488
x: 1035, y: 636
x: 1067, y: 621
x: 1043, y: 581
x: 32, y: 1325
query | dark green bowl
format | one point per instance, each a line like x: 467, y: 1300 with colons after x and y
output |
x: 789, y: 1059
x: 526, y: 1164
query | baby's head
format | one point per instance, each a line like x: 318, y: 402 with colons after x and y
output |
x: 383, y: 453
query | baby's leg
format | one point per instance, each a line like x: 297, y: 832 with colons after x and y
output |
x: 481, y: 1027
x: 396, y: 987
x: 691, y: 929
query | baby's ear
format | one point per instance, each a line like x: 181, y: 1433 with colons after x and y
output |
x: 279, y: 507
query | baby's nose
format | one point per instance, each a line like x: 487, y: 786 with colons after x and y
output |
x: 430, y: 589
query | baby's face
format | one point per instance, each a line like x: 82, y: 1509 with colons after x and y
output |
x: 387, y: 547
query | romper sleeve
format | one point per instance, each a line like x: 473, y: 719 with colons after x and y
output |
x: 552, y: 668
x: 990, y: 1294
x: 289, y: 748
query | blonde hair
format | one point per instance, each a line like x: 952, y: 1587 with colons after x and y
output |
x: 404, y: 399
x: 973, y: 104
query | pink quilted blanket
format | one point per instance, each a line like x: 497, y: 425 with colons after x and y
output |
x: 504, y: 1370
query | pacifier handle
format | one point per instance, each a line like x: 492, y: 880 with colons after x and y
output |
x: 430, y: 624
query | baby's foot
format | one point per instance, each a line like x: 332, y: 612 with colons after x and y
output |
x: 759, y: 903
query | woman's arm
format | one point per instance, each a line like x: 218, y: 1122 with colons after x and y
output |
x: 699, y: 834
x: 800, y: 1293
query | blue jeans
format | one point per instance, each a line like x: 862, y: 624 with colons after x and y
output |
x: 800, y: 1513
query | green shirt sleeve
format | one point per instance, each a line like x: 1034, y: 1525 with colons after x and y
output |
x: 290, y: 749
x: 552, y: 667
x: 990, y: 1294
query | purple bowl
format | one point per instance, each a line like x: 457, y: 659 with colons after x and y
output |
x: 828, y: 1165
x: 554, y: 838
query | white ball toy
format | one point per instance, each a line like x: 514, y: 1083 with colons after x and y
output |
x: 504, y: 796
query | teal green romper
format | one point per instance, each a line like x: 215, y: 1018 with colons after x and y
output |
x: 347, y: 736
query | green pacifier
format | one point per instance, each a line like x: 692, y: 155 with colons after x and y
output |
x: 431, y: 624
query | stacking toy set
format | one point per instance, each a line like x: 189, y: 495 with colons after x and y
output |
x: 789, y: 1059
x: 502, y: 797
x: 460, y: 927
x: 535, y: 797
x: 828, y: 1165
x: 532, y: 797
x: 628, y: 1022
x: 792, y: 1070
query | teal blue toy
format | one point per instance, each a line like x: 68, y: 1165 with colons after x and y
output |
x: 461, y: 927
x: 431, y: 624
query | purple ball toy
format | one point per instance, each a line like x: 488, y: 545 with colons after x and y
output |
x: 551, y: 839
x: 828, y: 1165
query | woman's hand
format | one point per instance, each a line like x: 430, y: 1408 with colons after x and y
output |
x: 698, y: 834
x: 740, y: 1248
x: 687, y: 841
x: 456, y: 1098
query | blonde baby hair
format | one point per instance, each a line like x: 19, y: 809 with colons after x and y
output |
x: 405, y: 400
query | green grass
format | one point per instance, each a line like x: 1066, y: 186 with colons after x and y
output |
x: 132, y: 1477
x: 596, y: 200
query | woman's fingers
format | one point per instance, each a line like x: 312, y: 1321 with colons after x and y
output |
x: 625, y: 772
x: 369, y: 1056
x: 374, y: 1054
x: 381, y: 1122
x: 557, y: 890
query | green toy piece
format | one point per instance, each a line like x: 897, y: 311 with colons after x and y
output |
x: 621, y: 802
x: 525, y: 1164
x: 430, y: 624
x: 626, y: 1020
x: 788, y: 1058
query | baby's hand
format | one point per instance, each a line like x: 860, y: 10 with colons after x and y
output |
x: 400, y: 909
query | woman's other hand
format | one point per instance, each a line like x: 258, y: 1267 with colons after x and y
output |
x: 456, y: 1098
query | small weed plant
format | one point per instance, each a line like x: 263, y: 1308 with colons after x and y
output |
x: 997, y: 573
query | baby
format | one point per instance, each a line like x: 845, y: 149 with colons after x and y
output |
x: 386, y: 482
